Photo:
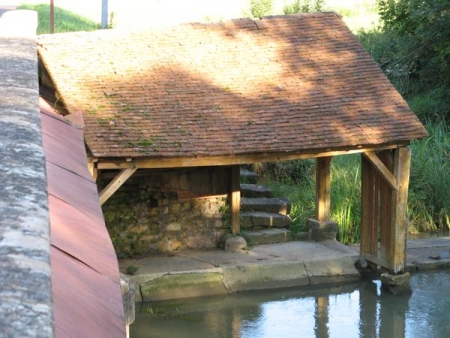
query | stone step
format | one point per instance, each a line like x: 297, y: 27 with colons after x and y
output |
x: 268, y: 236
x: 259, y: 219
x: 255, y: 190
x: 248, y: 176
x: 272, y: 205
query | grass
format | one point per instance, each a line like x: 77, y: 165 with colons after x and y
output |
x: 345, y: 194
x: 429, y: 202
x: 65, y: 21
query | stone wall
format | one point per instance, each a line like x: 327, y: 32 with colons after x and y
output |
x: 143, y: 217
x: 25, y: 288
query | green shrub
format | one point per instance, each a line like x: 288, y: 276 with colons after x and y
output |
x: 304, y: 6
x: 260, y: 8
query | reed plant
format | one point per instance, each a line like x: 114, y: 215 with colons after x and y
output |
x: 429, y: 193
x: 346, y: 197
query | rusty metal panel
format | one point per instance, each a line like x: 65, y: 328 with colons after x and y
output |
x: 85, y: 273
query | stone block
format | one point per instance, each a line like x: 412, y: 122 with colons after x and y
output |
x: 235, y: 244
x: 332, y: 270
x: 322, y: 230
x: 396, y: 284
x: 265, y: 276
x: 183, y: 285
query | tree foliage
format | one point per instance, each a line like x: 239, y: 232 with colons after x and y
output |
x: 260, y: 8
x: 304, y: 6
x: 423, y: 29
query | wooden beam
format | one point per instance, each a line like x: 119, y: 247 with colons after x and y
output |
x: 381, y: 168
x: 323, y: 188
x: 402, y: 165
x: 202, y: 161
x: 92, y: 167
x: 115, y: 184
x: 235, y: 199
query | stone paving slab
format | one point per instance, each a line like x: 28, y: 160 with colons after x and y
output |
x: 263, y: 267
x: 298, y: 263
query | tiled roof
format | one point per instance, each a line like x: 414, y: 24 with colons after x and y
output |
x: 283, y: 84
x: 86, y: 293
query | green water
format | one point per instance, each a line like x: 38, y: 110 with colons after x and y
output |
x: 357, y: 310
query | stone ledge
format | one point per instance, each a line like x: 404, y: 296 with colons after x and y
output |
x: 25, y: 292
x: 244, y: 277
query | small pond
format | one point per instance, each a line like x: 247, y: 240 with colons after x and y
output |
x: 352, y: 310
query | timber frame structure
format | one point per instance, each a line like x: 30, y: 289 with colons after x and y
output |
x: 384, y: 195
x: 239, y: 92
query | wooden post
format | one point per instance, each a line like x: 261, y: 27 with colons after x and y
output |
x: 323, y: 188
x: 235, y: 199
x: 402, y: 165
x: 52, y: 16
x: 92, y: 167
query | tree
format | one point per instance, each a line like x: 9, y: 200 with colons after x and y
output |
x: 423, y: 28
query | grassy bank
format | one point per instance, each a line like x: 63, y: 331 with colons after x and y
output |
x: 65, y: 21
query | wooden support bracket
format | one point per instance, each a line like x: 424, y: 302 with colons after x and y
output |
x: 381, y: 168
x: 115, y: 184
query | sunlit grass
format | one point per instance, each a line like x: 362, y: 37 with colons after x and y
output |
x: 65, y: 21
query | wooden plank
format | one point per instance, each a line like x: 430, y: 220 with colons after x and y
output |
x: 115, y: 184
x: 154, y: 163
x: 386, y: 201
x: 402, y: 165
x: 376, y: 260
x: 323, y: 188
x: 381, y: 168
x: 235, y: 199
x: 369, y: 207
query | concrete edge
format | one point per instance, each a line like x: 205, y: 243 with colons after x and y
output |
x: 25, y: 293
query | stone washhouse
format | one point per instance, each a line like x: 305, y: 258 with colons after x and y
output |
x: 170, y: 114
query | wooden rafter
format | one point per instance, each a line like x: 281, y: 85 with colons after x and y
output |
x: 115, y: 184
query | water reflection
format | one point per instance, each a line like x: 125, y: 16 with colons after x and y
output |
x: 357, y: 310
